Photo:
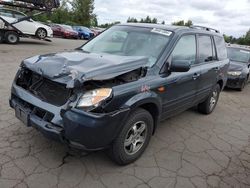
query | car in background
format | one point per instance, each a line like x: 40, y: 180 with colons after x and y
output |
x: 48, y: 4
x: 97, y: 30
x: 239, y: 69
x: 64, y: 31
x: 84, y: 32
x: 29, y: 27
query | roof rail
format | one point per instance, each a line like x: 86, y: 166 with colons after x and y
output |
x: 204, y: 28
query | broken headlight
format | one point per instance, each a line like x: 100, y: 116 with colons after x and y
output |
x: 94, y: 98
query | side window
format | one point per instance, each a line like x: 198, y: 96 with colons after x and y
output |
x: 18, y: 15
x: 6, y: 13
x: 220, y: 47
x: 205, y: 48
x: 185, y: 49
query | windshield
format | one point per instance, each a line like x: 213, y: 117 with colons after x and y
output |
x: 130, y: 41
x: 86, y: 29
x: 67, y: 27
x: 237, y: 54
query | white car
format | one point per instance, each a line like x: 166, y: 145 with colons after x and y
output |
x: 29, y: 26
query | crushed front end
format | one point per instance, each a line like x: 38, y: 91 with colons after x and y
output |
x: 50, y: 107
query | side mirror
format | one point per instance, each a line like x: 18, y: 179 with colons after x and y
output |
x: 180, y: 66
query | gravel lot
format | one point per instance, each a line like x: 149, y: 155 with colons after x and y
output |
x: 189, y: 150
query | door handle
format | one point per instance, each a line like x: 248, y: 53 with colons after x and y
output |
x: 216, y: 68
x: 196, y: 75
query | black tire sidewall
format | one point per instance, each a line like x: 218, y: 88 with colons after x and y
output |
x: 216, y: 87
x: 204, y: 107
x: 118, y: 153
x: 243, y: 84
x: 1, y: 37
x: 7, y: 34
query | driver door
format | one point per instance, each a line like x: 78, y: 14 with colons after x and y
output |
x: 181, y: 87
x: 26, y: 26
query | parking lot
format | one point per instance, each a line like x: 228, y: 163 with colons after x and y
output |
x: 188, y: 150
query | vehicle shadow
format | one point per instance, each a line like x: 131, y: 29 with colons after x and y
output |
x: 226, y: 89
x: 34, y: 42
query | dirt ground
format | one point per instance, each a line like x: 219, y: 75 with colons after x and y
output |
x: 189, y: 150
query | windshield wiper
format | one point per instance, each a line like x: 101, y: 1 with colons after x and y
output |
x: 82, y: 50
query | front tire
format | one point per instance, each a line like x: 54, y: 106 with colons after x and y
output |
x: 133, y: 138
x: 41, y: 33
x: 243, y: 85
x: 208, y: 106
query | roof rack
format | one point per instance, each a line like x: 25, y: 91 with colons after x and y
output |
x: 204, y: 28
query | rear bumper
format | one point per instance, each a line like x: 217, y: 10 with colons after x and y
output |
x: 74, y: 127
x: 235, y: 82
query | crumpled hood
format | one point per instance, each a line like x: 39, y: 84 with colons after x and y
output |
x: 76, y: 67
x: 236, y: 66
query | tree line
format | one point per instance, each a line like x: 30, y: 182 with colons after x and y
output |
x: 243, y: 40
x: 81, y: 12
x: 148, y: 19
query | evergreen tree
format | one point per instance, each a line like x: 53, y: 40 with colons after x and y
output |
x: 83, y: 11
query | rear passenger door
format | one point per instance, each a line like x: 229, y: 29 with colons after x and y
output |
x: 208, y: 65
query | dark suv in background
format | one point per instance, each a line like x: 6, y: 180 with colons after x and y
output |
x: 112, y: 92
x: 239, y: 69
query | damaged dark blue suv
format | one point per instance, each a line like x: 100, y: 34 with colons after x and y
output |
x: 111, y: 92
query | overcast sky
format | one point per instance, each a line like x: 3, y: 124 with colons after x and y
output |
x: 231, y: 17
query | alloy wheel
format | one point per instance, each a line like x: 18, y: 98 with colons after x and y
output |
x: 213, y: 100
x: 41, y: 33
x: 135, y: 138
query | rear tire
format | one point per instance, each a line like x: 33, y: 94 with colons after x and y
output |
x: 11, y: 37
x: 133, y: 138
x: 41, y: 33
x: 208, y: 106
x: 1, y: 37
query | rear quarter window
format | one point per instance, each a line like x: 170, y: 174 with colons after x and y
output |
x: 220, y: 47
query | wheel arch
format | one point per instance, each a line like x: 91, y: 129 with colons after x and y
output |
x: 149, y: 102
x: 42, y: 29
x: 153, y: 109
x: 221, y: 84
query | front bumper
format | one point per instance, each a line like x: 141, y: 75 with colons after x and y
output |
x: 73, y: 127
x: 235, y: 82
